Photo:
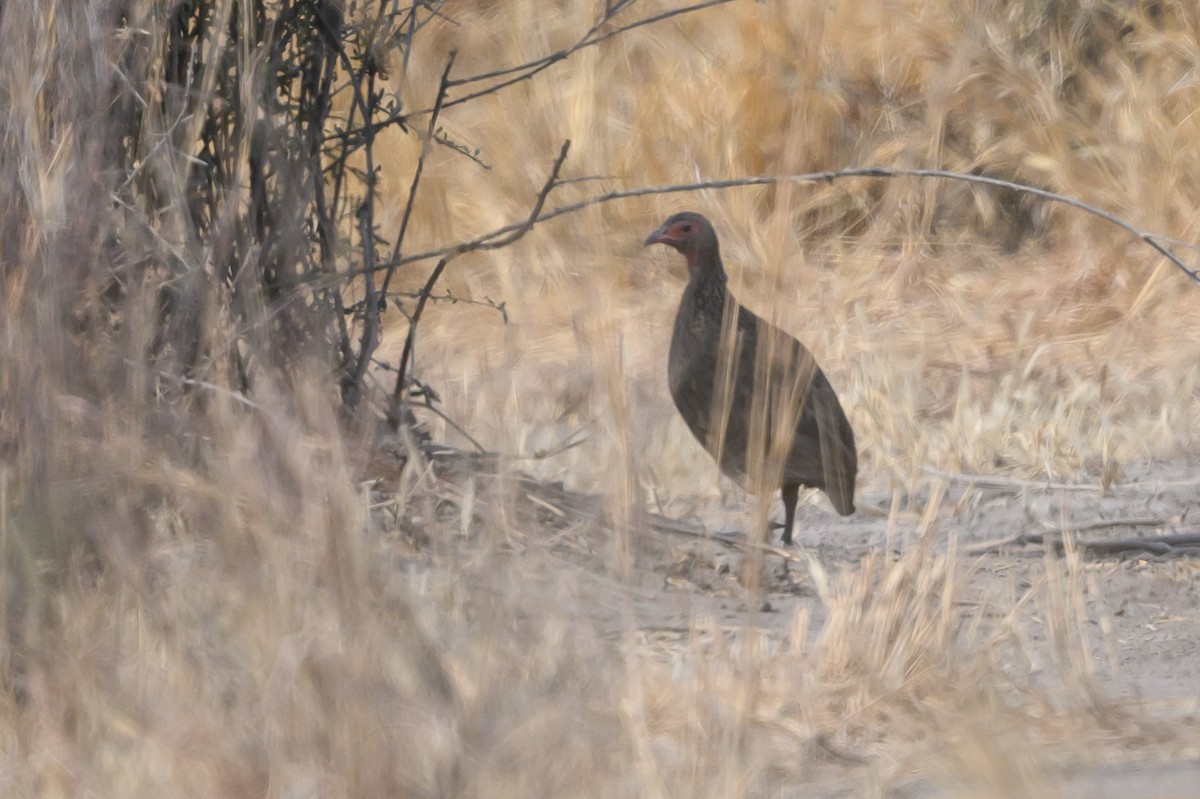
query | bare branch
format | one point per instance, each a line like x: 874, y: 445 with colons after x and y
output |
x: 499, y: 237
x: 394, y: 415
x: 416, y: 181
x: 453, y: 299
x: 441, y: 137
x: 511, y: 233
x: 369, y: 339
x: 429, y: 406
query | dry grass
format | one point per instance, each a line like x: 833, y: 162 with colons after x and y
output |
x: 244, y: 638
x: 1071, y: 349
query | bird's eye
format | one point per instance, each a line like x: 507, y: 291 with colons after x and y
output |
x: 686, y: 228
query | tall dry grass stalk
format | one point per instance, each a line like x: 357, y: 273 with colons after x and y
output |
x: 201, y: 598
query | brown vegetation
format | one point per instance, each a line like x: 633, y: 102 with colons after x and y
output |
x: 208, y: 593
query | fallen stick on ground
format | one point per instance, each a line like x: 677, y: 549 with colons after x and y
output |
x: 1165, y: 544
x: 999, y: 481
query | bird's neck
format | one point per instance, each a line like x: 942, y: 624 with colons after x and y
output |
x: 706, y: 280
x: 705, y: 265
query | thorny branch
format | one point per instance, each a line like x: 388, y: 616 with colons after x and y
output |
x: 450, y: 297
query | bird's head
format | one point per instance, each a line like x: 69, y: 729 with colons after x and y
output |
x: 689, y: 233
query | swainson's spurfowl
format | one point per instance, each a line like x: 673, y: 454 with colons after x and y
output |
x: 747, y: 389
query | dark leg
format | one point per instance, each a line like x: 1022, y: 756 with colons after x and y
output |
x: 790, y: 493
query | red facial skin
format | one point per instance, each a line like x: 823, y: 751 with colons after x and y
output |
x: 679, y: 236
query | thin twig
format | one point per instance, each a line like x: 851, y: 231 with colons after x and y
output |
x: 454, y: 299
x: 567, y: 443
x: 429, y: 406
x: 672, y: 527
x: 441, y: 137
x: 416, y: 180
x: 413, y: 25
x: 406, y: 355
x: 513, y: 232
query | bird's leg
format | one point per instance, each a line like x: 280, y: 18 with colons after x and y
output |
x: 790, y: 492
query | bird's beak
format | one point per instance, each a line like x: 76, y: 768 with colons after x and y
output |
x: 657, y: 237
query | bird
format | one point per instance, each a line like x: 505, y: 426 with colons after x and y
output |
x: 803, y: 423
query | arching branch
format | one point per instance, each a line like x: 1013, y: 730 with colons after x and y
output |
x: 503, y: 235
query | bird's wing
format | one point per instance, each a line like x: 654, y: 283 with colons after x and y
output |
x: 795, y: 406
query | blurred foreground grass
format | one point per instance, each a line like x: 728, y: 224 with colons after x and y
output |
x: 191, y: 606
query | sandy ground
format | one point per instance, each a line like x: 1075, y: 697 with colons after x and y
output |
x: 658, y: 578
